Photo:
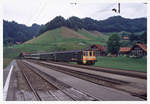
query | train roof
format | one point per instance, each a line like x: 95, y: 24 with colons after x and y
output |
x: 53, y: 52
x: 59, y: 52
x: 67, y: 51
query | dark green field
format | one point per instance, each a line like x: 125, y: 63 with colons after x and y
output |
x: 124, y: 63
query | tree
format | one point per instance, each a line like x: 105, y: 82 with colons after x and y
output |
x: 113, y: 44
x: 112, y: 24
x: 14, y: 32
x: 143, y: 37
x: 133, y: 37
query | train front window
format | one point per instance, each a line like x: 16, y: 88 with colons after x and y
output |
x: 83, y: 53
x: 90, y: 53
x: 93, y: 53
x: 86, y: 53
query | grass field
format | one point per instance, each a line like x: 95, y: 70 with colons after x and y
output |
x: 97, y: 39
x: 124, y: 63
x: 6, y: 62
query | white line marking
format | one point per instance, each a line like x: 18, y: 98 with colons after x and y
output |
x: 5, y: 90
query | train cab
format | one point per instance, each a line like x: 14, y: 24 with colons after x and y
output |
x: 89, y: 57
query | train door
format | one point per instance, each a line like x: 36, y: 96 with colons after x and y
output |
x: 85, y: 55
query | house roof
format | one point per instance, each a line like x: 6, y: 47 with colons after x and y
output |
x: 126, y: 38
x: 143, y: 46
x: 124, y: 49
x: 100, y: 47
x: 24, y: 53
x: 128, y: 49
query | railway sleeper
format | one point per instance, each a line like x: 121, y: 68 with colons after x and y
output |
x: 132, y: 92
x: 64, y: 89
x: 114, y: 81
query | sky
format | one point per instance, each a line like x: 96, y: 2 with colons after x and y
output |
x: 42, y: 11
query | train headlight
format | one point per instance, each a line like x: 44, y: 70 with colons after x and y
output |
x: 84, y: 61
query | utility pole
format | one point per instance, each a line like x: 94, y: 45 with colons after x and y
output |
x: 118, y: 7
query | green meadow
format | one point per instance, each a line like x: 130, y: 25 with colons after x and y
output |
x: 124, y: 63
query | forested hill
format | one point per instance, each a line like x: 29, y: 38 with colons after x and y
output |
x: 112, y: 24
x: 14, y: 33
x: 17, y: 33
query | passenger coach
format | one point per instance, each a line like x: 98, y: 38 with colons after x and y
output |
x: 79, y: 56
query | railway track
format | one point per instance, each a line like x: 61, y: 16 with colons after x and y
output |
x: 105, y: 81
x: 46, y: 87
x: 130, y: 73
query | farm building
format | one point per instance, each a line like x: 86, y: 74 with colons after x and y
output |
x: 125, y: 38
x: 23, y: 53
x: 139, y: 49
x: 124, y: 50
x: 99, y: 49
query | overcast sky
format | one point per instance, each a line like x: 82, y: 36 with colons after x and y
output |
x: 41, y: 11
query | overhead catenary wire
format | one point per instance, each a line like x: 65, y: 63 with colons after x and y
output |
x: 37, y: 12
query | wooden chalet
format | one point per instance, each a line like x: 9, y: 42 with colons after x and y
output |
x: 125, y: 38
x: 99, y: 49
x: 124, y: 50
x: 23, y: 53
x: 137, y: 50
x: 18, y: 42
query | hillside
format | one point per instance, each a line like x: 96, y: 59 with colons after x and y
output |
x: 17, y: 33
x: 58, y: 39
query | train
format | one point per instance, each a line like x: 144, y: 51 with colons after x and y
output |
x: 86, y: 57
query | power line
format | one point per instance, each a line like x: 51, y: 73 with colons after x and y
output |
x: 117, y: 10
x: 38, y: 11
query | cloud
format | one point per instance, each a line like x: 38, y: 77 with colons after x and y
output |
x: 41, y: 11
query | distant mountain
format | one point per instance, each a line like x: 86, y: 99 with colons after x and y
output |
x: 19, y: 33
x: 112, y: 24
x: 15, y: 33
